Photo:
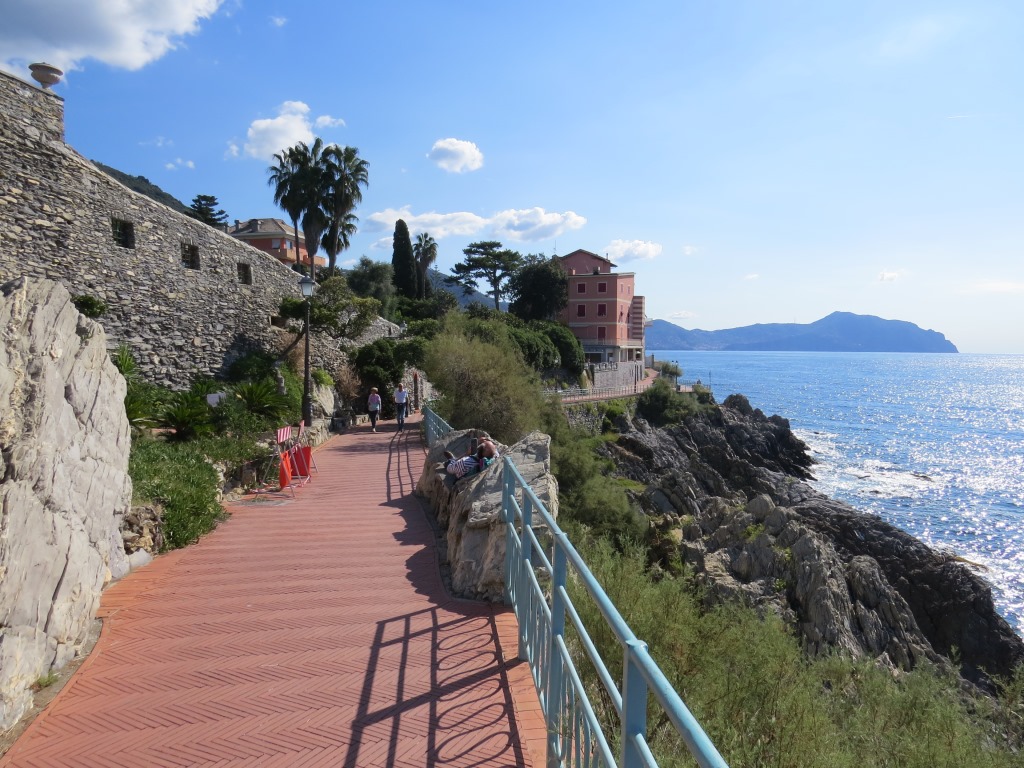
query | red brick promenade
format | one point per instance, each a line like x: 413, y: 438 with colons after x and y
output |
x: 307, y: 632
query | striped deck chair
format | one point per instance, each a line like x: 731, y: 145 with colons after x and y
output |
x: 297, y: 469
x: 303, y: 439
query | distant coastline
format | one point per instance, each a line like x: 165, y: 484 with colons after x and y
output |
x: 838, y: 332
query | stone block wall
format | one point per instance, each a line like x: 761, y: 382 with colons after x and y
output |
x: 187, y: 298
x: 616, y: 375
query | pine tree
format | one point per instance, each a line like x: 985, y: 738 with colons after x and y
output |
x: 205, y: 208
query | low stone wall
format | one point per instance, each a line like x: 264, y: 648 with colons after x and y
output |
x: 469, y: 510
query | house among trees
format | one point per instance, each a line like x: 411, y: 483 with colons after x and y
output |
x: 603, y: 312
x: 274, y: 236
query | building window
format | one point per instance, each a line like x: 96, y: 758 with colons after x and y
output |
x: 581, y: 310
x: 124, y: 233
x: 581, y: 287
x: 275, y: 243
x: 244, y: 273
x: 600, y: 333
x: 190, y: 256
x: 602, y: 310
x: 602, y: 287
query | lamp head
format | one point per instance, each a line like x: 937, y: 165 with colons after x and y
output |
x: 307, y: 285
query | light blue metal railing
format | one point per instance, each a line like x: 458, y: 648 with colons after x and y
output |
x: 575, y: 735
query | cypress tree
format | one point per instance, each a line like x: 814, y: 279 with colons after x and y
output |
x: 404, y: 263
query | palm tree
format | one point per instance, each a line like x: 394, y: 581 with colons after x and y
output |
x: 344, y: 176
x: 286, y: 177
x: 425, y: 252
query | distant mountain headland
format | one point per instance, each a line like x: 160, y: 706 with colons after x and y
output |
x: 839, y: 332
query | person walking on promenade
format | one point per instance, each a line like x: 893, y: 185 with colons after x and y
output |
x: 401, y: 404
x: 373, y: 407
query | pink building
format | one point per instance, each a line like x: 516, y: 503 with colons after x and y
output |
x: 604, y: 312
x: 273, y: 236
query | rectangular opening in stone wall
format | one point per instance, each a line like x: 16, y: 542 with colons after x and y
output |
x: 124, y: 232
x: 190, y: 256
x: 244, y: 273
x: 278, y: 322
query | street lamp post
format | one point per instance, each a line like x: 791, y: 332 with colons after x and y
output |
x: 306, y: 285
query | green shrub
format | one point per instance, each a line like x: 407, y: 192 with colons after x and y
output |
x: 179, y: 478
x: 89, y: 306
x: 485, y: 383
x: 188, y: 415
x: 251, y: 367
x: 322, y: 377
x: 661, y: 405
x: 760, y: 699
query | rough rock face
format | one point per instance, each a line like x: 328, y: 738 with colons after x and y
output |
x: 64, y: 442
x: 469, y: 510
x: 726, y: 492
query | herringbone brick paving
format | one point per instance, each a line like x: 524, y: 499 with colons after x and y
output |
x: 306, y: 632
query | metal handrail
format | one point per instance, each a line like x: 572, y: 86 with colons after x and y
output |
x: 575, y: 734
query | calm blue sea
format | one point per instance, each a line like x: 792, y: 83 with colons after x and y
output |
x: 934, y: 444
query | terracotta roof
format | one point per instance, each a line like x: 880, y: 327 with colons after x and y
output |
x: 262, y: 228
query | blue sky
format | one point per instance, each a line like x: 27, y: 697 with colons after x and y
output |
x: 750, y: 161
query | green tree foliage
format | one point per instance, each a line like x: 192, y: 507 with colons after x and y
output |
x: 539, y: 289
x: 187, y: 416
x: 485, y: 384
x: 343, y: 176
x: 380, y: 364
x: 487, y: 261
x: 403, y: 262
x: 425, y: 253
x: 205, y: 209
x: 661, y: 405
x: 374, y: 280
x: 321, y: 186
x: 334, y: 309
x: 435, y: 307
x: 570, y: 351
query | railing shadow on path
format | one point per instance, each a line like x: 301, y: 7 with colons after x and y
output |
x: 435, y: 672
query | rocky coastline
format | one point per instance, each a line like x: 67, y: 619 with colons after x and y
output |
x: 728, y: 496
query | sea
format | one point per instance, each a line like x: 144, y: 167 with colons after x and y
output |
x: 932, y: 443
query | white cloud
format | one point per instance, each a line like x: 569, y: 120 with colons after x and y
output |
x: 521, y: 225
x: 683, y: 314
x: 534, y: 224
x: 752, y: 276
x: 268, y: 136
x: 439, y: 225
x: 326, y: 121
x: 232, y: 150
x: 278, y: 21
x: 632, y: 250
x: 128, y: 34
x: 159, y: 142
x: 885, y: 276
x: 179, y: 163
x: 456, y: 155
x: 689, y: 250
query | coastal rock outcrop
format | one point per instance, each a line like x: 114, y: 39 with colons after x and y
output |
x: 727, y: 493
x: 469, y: 510
x: 64, y: 443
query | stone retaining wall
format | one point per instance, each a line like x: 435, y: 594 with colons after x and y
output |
x: 187, y: 298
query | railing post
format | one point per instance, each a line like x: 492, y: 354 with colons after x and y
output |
x: 554, y: 697
x: 509, y: 516
x: 634, y: 705
x: 523, y: 585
